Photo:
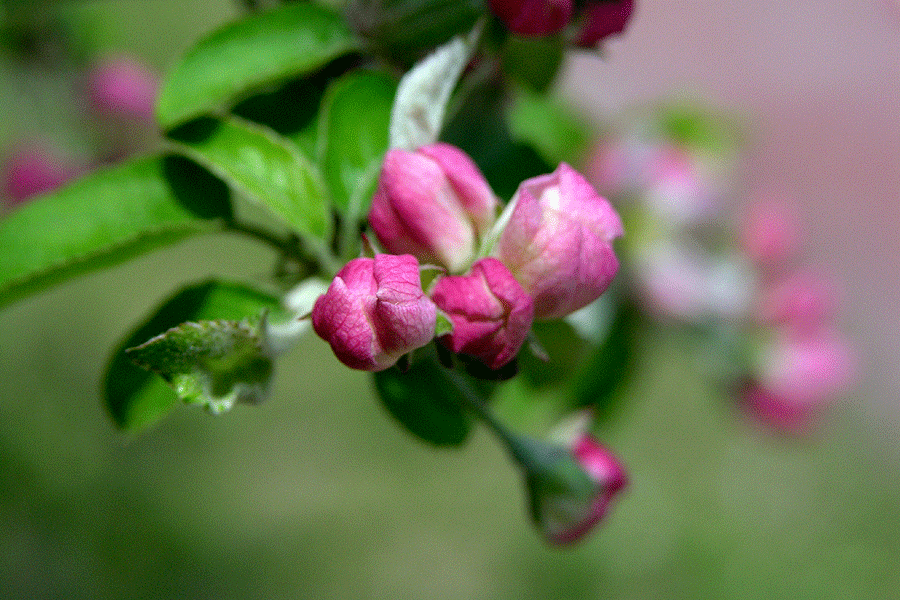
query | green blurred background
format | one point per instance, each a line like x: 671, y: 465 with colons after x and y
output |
x: 318, y: 494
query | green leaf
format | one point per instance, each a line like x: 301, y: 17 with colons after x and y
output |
x: 564, y: 348
x: 427, y: 400
x: 265, y: 48
x: 263, y: 165
x: 212, y: 363
x: 135, y: 397
x: 106, y: 218
x: 354, y: 123
x: 549, y: 126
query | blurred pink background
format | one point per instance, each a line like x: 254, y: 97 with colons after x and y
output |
x: 819, y: 85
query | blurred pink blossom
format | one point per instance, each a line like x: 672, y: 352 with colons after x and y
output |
x: 122, y: 85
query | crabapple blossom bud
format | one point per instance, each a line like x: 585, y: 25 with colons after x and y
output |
x: 803, y: 301
x: 557, y: 241
x: 572, y: 491
x: 770, y: 233
x: 433, y: 203
x: 375, y: 311
x: 33, y: 169
x: 490, y: 312
x: 122, y: 86
x: 603, y: 18
x: 533, y: 18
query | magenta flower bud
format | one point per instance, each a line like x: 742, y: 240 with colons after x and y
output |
x: 32, y: 170
x: 122, y: 86
x: 375, y: 311
x: 603, y: 18
x: 490, y: 312
x: 433, y: 203
x: 533, y: 18
x: 770, y: 232
x: 572, y: 493
x: 558, y: 242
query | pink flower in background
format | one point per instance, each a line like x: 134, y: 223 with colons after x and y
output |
x: 566, y: 513
x: 557, y: 241
x: 375, y: 311
x: 802, y: 301
x: 533, y: 18
x: 434, y: 204
x: 603, y: 18
x: 122, y: 86
x: 33, y: 169
x: 770, y: 232
x: 490, y: 312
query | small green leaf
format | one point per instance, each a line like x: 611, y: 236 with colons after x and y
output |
x: 426, y: 401
x: 263, y: 165
x: 265, y: 48
x: 212, y: 363
x: 106, y: 218
x: 549, y: 126
x: 354, y: 123
x: 136, y: 398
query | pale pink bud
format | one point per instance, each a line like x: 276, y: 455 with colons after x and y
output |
x: 433, y: 203
x: 566, y: 507
x: 490, y: 312
x: 602, y: 19
x: 802, y: 301
x: 558, y: 242
x: 533, y: 18
x: 34, y: 169
x: 770, y: 233
x: 374, y: 312
x: 122, y: 86
x: 806, y: 367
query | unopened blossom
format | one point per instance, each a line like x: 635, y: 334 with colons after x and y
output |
x: 433, y: 203
x: 769, y: 232
x: 33, y: 169
x: 802, y: 301
x: 375, y: 311
x: 122, y: 86
x: 603, y: 18
x: 557, y: 241
x: 571, y: 493
x: 490, y: 312
x: 533, y: 18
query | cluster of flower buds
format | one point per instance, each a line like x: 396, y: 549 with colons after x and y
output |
x: 591, y: 21
x: 548, y: 254
x: 688, y: 264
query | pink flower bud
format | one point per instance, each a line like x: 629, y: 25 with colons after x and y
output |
x: 490, y: 312
x: 770, y: 232
x: 803, y: 301
x: 806, y: 367
x: 603, y: 18
x: 558, y: 242
x: 533, y: 18
x: 374, y: 312
x: 32, y: 170
x: 780, y: 414
x: 433, y: 203
x: 122, y: 86
x: 565, y: 504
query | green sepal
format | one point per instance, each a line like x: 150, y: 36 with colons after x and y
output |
x: 135, y: 397
x: 212, y: 363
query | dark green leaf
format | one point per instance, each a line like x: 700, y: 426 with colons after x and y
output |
x: 107, y: 218
x: 263, y: 165
x: 355, y: 119
x: 137, y: 398
x: 268, y: 47
x: 534, y: 60
x: 427, y: 400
